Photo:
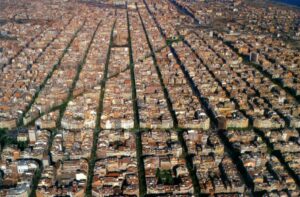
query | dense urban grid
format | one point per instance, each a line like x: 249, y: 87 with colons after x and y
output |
x: 149, y: 98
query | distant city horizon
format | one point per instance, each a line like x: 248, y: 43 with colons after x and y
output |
x: 291, y: 2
